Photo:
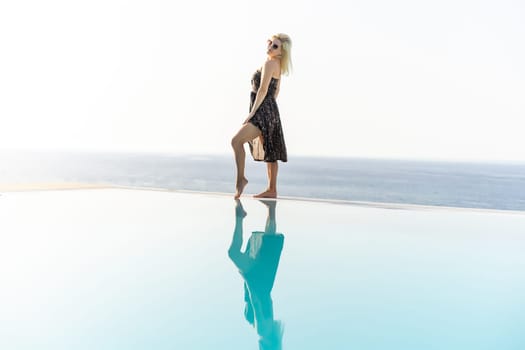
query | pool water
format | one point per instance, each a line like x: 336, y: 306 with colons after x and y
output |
x: 138, y: 269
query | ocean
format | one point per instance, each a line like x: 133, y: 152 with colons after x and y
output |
x: 436, y: 183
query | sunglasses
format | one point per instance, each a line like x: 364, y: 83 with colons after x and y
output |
x: 273, y: 46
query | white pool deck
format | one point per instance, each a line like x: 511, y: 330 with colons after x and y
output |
x: 90, y: 267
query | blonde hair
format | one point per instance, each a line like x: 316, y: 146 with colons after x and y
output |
x: 286, y: 49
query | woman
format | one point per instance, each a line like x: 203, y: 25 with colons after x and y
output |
x: 262, y: 129
x: 258, y: 266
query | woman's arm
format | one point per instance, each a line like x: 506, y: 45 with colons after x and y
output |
x: 266, y: 76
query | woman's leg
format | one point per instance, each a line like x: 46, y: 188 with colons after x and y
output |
x: 241, y: 260
x: 271, y: 191
x: 271, y: 225
x: 247, y: 132
x: 272, y: 177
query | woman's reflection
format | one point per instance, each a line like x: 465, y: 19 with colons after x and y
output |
x: 258, y: 266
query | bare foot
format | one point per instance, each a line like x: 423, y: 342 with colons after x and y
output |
x: 270, y: 204
x: 266, y: 194
x: 240, y: 187
x: 239, y: 210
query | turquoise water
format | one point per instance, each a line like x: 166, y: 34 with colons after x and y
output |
x: 130, y: 269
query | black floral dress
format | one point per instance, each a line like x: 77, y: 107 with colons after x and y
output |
x: 270, y: 146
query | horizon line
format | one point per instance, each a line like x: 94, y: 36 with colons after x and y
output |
x: 297, y: 155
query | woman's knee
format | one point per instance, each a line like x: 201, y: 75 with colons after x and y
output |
x: 234, y: 253
x: 236, y: 142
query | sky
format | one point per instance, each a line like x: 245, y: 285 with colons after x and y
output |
x: 376, y: 79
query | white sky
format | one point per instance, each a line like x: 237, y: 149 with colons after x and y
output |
x: 405, y: 79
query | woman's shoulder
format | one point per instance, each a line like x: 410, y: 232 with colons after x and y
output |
x: 272, y: 64
x: 271, y: 67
